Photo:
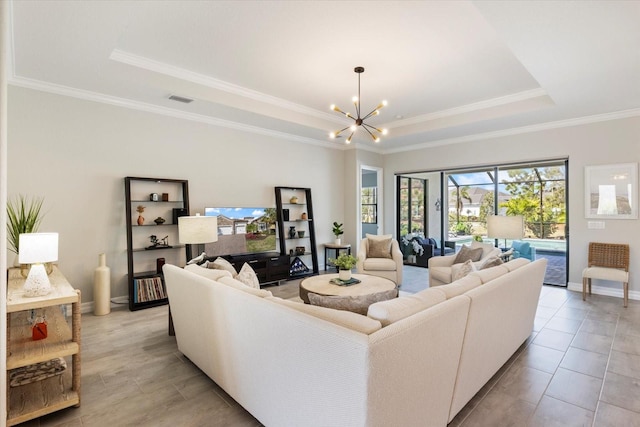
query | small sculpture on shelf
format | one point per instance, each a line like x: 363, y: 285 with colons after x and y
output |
x: 158, y: 243
x: 292, y: 232
x: 140, y: 209
x: 159, y: 220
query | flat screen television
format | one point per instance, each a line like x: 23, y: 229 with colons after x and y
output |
x: 243, y: 230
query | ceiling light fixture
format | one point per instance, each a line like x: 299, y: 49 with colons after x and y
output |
x: 358, y: 121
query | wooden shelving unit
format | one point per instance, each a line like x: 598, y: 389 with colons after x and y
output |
x: 288, y: 244
x: 146, y: 284
x: 43, y: 397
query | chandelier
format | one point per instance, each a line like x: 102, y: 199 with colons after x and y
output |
x: 373, y: 131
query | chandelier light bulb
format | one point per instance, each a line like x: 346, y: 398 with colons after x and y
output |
x: 333, y: 107
x: 385, y: 131
x: 332, y: 135
x: 376, y: 139
x: 354, y: 99
x: 353, y: 128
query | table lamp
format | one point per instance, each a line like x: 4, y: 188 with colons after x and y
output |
x: 197, y: 230
x: 36, y: 249
x: 505, y: 227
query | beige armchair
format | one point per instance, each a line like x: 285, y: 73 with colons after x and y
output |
x: 377, y: 257
x: 441, y: 267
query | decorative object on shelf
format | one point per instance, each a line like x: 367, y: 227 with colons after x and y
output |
x: 303, y: 216
x: 165, y: 197
x: 301, y: 234
x: 344, y: 262
x: 198, y: 230
x: 159, y: 220
x: 158, y: 243
x: 102, y: 287
x: 337, y: 231
x: 293, y: 200
x: 285, y: 214
x: 39, y: 329
x: 140, y: 210
x: 154, y: 197
x: 358, y: 121
x: 292, y: 232
x: 36, y: 249
x: 159, y: 263
x: 23, y: 216
x: 300, y: 250
x: 298, y: 267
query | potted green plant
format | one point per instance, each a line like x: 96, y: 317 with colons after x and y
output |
x: 344, y: 262
x: 23, y: 216
x: 337, y: 231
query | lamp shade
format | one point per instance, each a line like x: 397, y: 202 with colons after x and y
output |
x: 505, y: 227
x: 197, y: 229
x: 38, y: 248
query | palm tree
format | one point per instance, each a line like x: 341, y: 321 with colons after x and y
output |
x: 457, y: 196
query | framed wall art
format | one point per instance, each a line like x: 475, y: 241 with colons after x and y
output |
x: 611, y: 191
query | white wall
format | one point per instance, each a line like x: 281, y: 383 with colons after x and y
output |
x: 614, y: 141
x: 76, y: 154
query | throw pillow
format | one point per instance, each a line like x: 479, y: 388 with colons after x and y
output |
x: 378, y: 236
x: 460, y: 271
x: 223, y: 264
x: 466, y: 253
x: 248, y: 276
x: 209, y: 273
x: 492, y: 261
x: 379, y: 248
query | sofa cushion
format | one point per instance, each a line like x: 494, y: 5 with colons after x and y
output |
x: 458, y: 271
x: 516, y: 263
x: 356, y: 303
x: 379, y: 264
x: 242, y: 287
x: 379, y: 248
x: 390, y: 311
x: 491, y: 261
x: 466, y: 253
x: 207, y: 272
x: 461, y: 286
x: 489, y: 274
x: 222, y: 264
x: 487, y: 248
x: 248, y: 276
x: 347, y: 319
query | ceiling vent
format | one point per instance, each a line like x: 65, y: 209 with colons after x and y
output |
x: 180, y: 99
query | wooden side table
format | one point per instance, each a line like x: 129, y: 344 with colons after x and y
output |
x: 33, y: 400
x: 336, y: 250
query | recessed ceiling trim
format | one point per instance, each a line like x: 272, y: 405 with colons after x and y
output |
x: 204, y: 80
x: 476, y: 106
x: 150, y: 108
x: 634, y: 112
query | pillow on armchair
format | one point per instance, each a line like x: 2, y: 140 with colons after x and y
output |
x: 379, y: 246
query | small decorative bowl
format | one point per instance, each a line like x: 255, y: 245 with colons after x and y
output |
x: 159, y: 220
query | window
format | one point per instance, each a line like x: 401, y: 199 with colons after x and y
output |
x: 369, y: 202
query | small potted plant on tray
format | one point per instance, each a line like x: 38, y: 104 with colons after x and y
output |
x: 344, y: 262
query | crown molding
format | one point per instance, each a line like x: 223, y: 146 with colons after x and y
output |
x: 482, y: 105
x: 616, y: 115
x: 204, y: 80
x: 170, y: 112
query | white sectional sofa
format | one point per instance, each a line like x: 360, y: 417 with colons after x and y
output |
x: 412, y: 361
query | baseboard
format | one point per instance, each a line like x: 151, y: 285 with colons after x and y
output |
x: 87, y: 307
x: 606, y: 291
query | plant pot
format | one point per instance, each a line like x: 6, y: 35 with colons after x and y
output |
x: 337, y: 241
x: 301, y: 234
x: 344, y: 274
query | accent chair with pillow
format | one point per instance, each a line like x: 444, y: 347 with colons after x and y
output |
x: 442, y: 269
x: 380, y: 256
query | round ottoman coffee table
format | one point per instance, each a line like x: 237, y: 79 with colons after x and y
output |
x: 318, y: 290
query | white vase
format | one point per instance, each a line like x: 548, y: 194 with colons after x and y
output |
x: 102, y: 287
x: 337, y: 241
x: 344, y: 274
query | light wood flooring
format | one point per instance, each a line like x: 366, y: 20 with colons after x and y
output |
x: 580, y: 367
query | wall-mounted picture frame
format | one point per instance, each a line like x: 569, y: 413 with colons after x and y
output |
x: 611, y: 191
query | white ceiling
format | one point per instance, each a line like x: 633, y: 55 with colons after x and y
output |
x: 450, y: 70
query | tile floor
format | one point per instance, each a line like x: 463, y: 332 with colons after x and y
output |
x: 580, y: 367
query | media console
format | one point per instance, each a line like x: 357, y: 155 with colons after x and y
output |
x: 270, y: 267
